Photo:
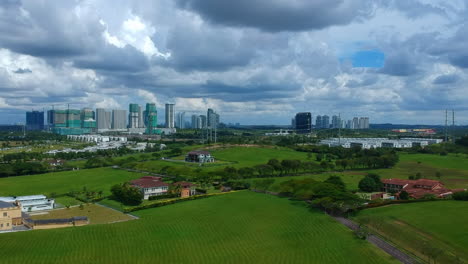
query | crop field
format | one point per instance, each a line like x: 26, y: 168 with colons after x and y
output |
x: 242, y: 227
x: 96, y: 214
x: 66, y: 181
x: 453, y: 169
x: 420, y: 227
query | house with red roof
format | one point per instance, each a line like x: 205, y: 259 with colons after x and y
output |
x: 187, y: 188
x: 150, y: 186
x: 417, y: 188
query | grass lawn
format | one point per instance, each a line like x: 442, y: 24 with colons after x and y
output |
x: 439, y: 224
x: 96, y: 214
x: 242, y: 227
x: 66, y: 200
x: 63, y: 182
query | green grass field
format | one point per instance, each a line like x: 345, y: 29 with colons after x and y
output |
x: 441, y: 225
x: 241, y: 227
x: 63, y: 182
x: 453, y: 168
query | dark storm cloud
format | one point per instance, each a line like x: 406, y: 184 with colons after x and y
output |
x: 277, y: 15
x: 400, y: 64
x: 446, y: 79
x: 46, y: 29
x: 111, y: 58
x: 22, y: 71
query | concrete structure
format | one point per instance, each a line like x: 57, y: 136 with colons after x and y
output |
x: 96, y: 138
x: 133, y: 116
x: 170, y: 116
x: 35, y: 120
x: 151, y: 118
x: 187, y: 188
x: 150, y: 186
x: 88, y: 119
x: 318, y: 122
x: 280, y: 132
x: 369, y: 143
x: 364, y: 123
x: 212, y: 118
x: 180, y: 120
x: 325, y: 121
x: 203, y: 121
x: 336, y: 122
x: 196, y: 122
x: 119, y: 119
x: 10, y: 215
x: 56, y: 223
x: 355, y: 123
x: 31, y: 203
x: 303, y: 122
x: 417, y: 188
x: 103, y: 119
x: 199, y: 156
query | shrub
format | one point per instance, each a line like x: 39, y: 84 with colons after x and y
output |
x: 460, y: 196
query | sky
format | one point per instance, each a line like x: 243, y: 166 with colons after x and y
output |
x: 254, y: 62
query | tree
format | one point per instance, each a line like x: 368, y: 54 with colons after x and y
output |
x: 378, y: 182
x: 337, y: 181
x: 367, y: 184
x: 404, y: 195
x: 127, y: 194
x: 460, y: 196
x: 438, y: 174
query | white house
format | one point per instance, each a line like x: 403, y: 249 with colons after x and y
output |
x: 31, y: 203
x: 150, y: 186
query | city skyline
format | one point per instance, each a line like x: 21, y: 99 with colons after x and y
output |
x: 401, y: 62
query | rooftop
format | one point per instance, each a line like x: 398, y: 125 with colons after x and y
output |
x: 6, y: 205
x: 199, y: 152
x: 149, y: 182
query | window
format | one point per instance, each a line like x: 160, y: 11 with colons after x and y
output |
x: 1, y: 225
x: 8, y: 224
x: 5, y: 214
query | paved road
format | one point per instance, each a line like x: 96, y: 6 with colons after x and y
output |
x: 382, y: 244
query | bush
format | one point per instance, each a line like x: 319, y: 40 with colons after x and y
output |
x: 127, y: 194
x: 460, y: 196
x: 159, y: 197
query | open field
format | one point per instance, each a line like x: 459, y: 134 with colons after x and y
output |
x: 419, y: 226
x: 242, y: 227
x: 96, y: 214
x: 63, y: 182
x: 454, y: 169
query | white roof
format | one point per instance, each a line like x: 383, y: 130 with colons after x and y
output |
x: 22, y: 198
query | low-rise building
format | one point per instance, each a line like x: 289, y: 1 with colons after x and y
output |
x: 188, y: 189
x: 150, y: 186
x: 56, y: 223
x: 31, y: 203
x: 10, y: 215
x: 199, y: 156
x: 417, y: 188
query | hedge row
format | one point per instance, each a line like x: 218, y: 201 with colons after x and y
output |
x: 390, y: 202
x: 164, y: 203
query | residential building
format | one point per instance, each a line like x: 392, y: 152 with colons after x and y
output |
x: 103, y: 119
x: 134, y: 116
x: 187, y: 188
x: 196, y: 122
x: 318, y: 122
x: 212, y: 118
x: 10, y: 215
x: 303, y: 122
x: 417, y: 188
x: 355, y: 123
x: 199, y: 156
x: 150, y: 186
x: 336, y: 122
x: 151, y: 118
x: 119, y: 119
x: 35, y: 120
x: 170, y: 116
x: 31, y: 203
x: 325, y: 121
x: 180, y: 120
x: 203, y: 121
x: 88, y: 119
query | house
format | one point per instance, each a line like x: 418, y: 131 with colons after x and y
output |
x: 199, y: 156
x: 188, y: 189
x: 10, y: 215
x: 31, y: 203
x: 150, y: 186
x: 417, y: 188
x: 55, y: 162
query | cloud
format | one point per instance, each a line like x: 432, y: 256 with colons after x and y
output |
x: 22, y: 71
x: 446, y: 79
x: 277, y: 15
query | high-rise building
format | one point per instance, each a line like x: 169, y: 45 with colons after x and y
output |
x: 293, y: 122
x: 196, y: 122
x: 318, y: 122
x: 180, y: 120
x: 119, y: 119
x: 141, y: 123
x: 133, y: 116
x: 303, y: 122
x: 212, y: 118
x: 88, y: 119
x: 203, y: 122
x: 336, y: 122
x: 151, y: 118
x: 364, y: 123
x: 170, y: 116
x: 325, y: 121
x: 35, y: 120
x: 103, y: 119
x: 355, y: 123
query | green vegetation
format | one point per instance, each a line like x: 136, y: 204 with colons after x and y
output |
x: 100, y: 179
x: 424, y: 228
x: 242, y: 227
x: 96, y: 214
x: 127, y: 194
